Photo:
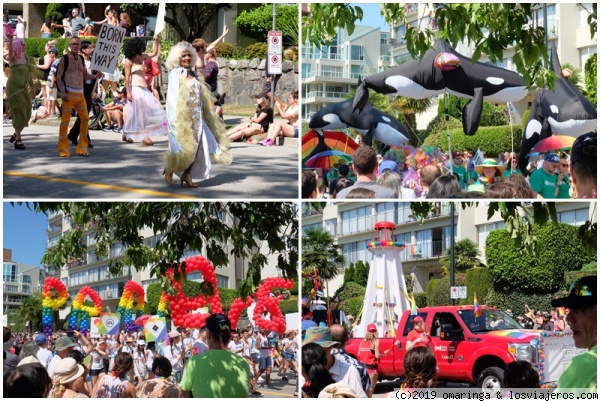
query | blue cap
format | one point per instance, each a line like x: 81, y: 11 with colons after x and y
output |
x: 552, y: 157
x: 388, y: 165
x: 41, y: 339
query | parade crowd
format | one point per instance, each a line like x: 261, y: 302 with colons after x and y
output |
x: 214, y: 361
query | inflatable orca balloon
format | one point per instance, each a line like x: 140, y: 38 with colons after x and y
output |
x: 564, y: 111
x: 369, y: 121
x: 442, y: 70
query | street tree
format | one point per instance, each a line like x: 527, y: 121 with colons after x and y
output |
x: 490, y: 27
x: 189, y: 20
x: 257, y: 22
x: 31, y: 310
x: 320, y: 253
x: 466, y: 256
x: 248, y: 230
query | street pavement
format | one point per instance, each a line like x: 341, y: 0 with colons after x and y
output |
x: 116, y: 169
x: 280, y: 388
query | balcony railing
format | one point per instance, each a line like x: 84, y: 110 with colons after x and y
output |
x: 73, y: 262
x: 321, y: 56
x: 337, y: 95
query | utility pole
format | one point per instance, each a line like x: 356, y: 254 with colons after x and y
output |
x: 452, y: 234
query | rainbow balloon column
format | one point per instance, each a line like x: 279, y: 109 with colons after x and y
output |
x: 162, y: 310
x: 126, y: 304
x: 182, y: 306
x: 51, y: 303
x: 83, y: 311
x: 265, y: 302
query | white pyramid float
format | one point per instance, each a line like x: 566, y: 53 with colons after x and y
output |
x: 385, y: 301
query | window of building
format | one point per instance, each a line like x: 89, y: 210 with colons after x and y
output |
x: 10, y: 272
x: 485, y: 229
x: 332, y: 71
x: 356, y: 220
x: 91, y: 239
x: 585, y: 53
x: 386, y: 212
x: 362, y: 253
x: 331, y: 226
x: 349, y: 252
x: 222, y: 281
x: 117, y: 249
x: 311, y: 227
x: 576, y: 217
x: 585, y: 9
x: 26, y: 279
x: 357, y: 52
x: 195, y: 276
x: 306, y: 68
x: 356, y: 71
x: 406, y: 238
x: 146, y: 283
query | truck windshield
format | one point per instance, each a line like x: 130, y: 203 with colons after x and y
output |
x: 490, y: 320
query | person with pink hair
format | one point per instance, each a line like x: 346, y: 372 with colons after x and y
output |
x: 18, y: 94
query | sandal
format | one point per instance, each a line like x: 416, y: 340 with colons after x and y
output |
x: 148, y: 142
x: 125, y: 139
x: 19, y: 145
x: 13, y: 138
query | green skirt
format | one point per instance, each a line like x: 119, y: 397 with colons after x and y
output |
x: 17, y: 95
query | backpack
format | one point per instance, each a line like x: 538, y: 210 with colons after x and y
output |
x: 65, y: 59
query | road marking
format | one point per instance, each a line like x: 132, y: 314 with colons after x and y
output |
x: 99, y: 186
x: 274, y: 393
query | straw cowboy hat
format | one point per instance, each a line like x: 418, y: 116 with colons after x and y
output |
x: 67, y: 371
x: 489, y: 163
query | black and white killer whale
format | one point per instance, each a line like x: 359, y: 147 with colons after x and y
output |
x: 370, y: 121
x: 563, y: 111
x: 420, y: 79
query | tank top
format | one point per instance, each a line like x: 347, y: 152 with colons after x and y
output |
x: 111, y: 387
x: 138, y: 75
x: 366, y: 354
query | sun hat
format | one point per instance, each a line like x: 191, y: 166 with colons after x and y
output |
x: 174, y: 333
x: 530, y: 315
x: 67, y: 371
x: 41, y: 339
x: 489, y: 163
x: 337, y: 390
x: 582, y: 294
x: 29, y: 359
x: 388, y: 165
x: 63, y: 343
x: 371, y: 328
x: 552, y: 158
x: 321, y: 336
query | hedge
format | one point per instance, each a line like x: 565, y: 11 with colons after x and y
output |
x: 430, y: 289
x: 353, y: 306
x: 516, y: 300
x: 153, y: 294
x: 258, y: 50
x: 591, y: 78
x: 349, y: 290
x: 441, y: 291
x: 478, y: 281
x: 491, y: 116
x: 289, y: 305
x: 420, y: 299
x: 491, y: 140
x: 558, y: 251
x: 361, y: 273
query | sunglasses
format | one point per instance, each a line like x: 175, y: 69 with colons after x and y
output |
x: 580, y: 290
x: 564, y: 165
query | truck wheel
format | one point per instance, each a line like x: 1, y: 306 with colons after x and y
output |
x: 491, y: 378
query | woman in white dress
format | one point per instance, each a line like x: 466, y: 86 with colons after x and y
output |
x: 194, y: 132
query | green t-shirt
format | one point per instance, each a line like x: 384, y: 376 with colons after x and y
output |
x: 543, y: 183
x: 508, y: 172
x: 581, y: 372
x: 216, y: 374
x: 563, y: 189
x: 462, y: 175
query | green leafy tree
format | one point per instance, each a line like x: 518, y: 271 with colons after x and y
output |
x: 257, y: 22
x: 361, y: 273
x: 31, y: 310
x: 490, y: 27
x: 250, y: 230
x: 479, y: 282
x: 491, y: 116
x: 349, y: 290
x: 559, y: 250
x: 352, y: 306
x: 466, y: 256
x: 349, y: 273
x: 320, y: 252
x: 591, y: 78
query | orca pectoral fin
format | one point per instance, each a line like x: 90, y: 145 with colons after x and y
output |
x: 471, y: 113
x: 368, y: 137
x: 361, y: 98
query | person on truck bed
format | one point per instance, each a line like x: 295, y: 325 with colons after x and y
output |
x: 418, y: 336
x: 581, y: 303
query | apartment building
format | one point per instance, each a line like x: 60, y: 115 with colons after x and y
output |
x: 353, y: 226
x: 19, y: 281
x: 329, y: 73
x: 93, y: 271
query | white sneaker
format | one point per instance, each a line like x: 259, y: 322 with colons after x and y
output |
x: 260, y: 380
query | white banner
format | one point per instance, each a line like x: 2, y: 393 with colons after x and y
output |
x: 160, y: 19
x: 108, y: 47
x: 291, y: 321
x: 558, y: 352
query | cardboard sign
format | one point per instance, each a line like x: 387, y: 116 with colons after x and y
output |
x: 155, y: 329
x: 108, y: 47
x: 106, y: 323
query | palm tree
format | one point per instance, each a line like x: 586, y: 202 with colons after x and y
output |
x: 577, y: 77
x: 31, y: 310
x: 407, y: 108
x: 466, y: 256
x: 320, y: 253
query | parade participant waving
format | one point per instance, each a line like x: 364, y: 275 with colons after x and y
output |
x: 368, y: 352
x: 418, y: 336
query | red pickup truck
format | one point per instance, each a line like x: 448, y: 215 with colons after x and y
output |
x: 468, y: 349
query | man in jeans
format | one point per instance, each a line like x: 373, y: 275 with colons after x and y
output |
x: 265, y: 362
x: 70, y: 85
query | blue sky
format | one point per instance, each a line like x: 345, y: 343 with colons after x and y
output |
x: 372, y: 17
x: 24, y: 233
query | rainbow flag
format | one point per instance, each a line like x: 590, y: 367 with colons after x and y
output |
x: 413, y: 305
x: 476, y: 309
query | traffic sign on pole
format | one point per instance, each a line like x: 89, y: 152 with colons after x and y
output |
x: 275, y: 52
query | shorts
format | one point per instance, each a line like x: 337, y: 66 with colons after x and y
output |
x: 295, y: 132
x: 96, y: 372
x: 371, y: 369
x: 265, y: 362
x: 51, y: 93
x: 254, y: 357
x: 288, y: 356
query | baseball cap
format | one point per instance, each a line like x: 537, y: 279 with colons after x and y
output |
x: 457, y: 154
x: 418, y: 319
x: 174, y: 334
x: 122, y: 89
x: 552, y: 157
x: 63, y: 343
x: 321, y: 336
x: 141, y: 342
x: 53, y: 50
x: 584, y: 148
x: 371, y: 328
x: 582, y: 294
x: 41, y: 339
x: 388, y: 165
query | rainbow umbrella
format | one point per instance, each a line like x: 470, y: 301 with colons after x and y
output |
x: 552, y: 144
x: 328, y: 159
x: 313, y: 143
